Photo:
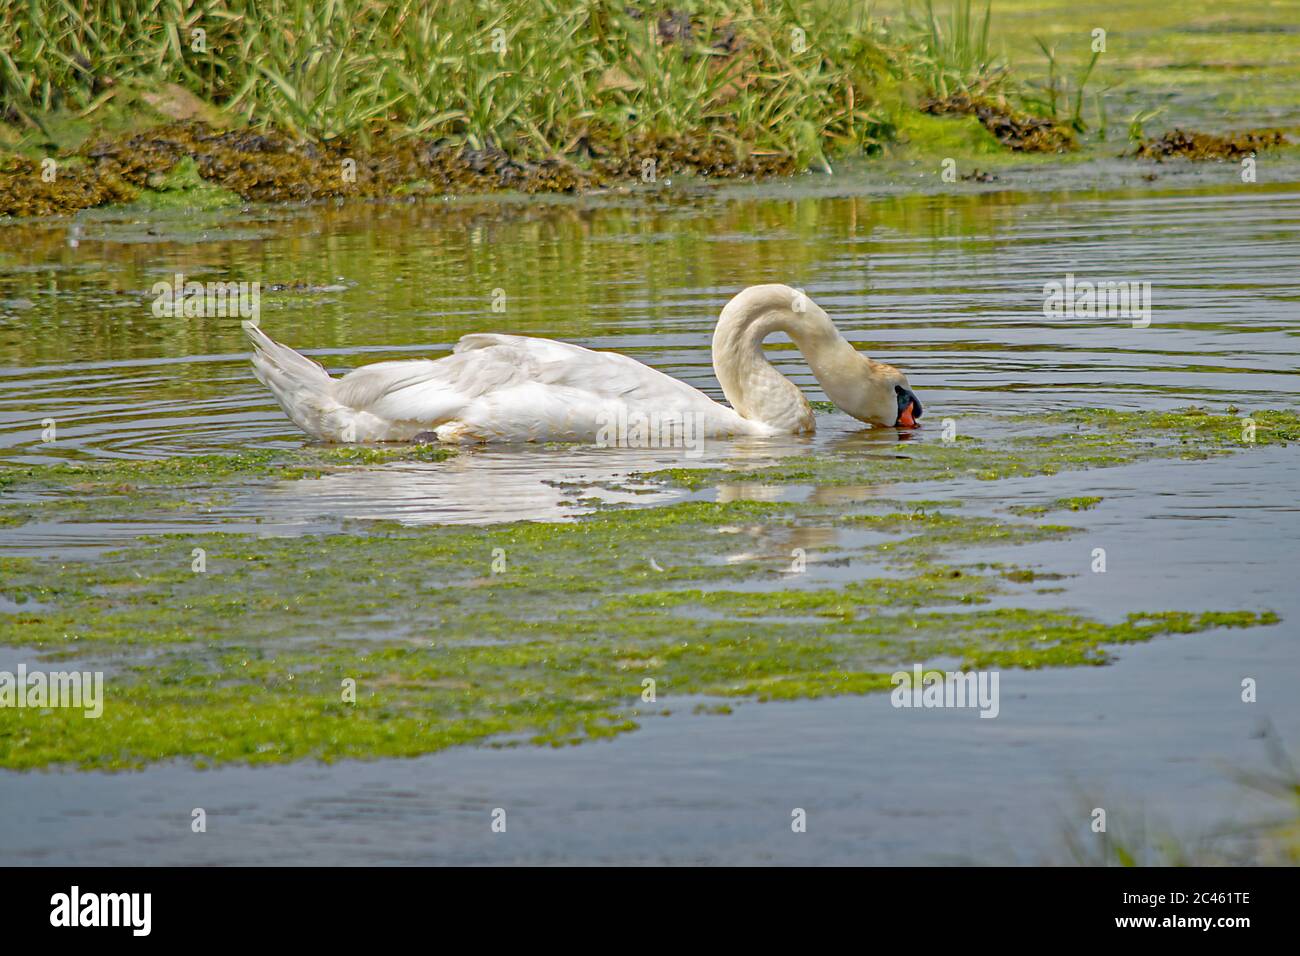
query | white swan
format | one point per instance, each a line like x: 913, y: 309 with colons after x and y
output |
x: 515, y: 388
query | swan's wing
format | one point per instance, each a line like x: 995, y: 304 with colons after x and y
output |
x: 604, y: 374
x: 548, y: 349
x: 517, y: 387
x: 432, y: 391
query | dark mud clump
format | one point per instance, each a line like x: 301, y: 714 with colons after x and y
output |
x: 1019, y: 132
x: 1192, y: 145
x: 268, y: 166
x: 27, y: 190
x: 712, y: 153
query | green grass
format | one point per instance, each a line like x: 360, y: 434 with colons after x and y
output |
x: 589, y: 89
x: 1268, y: 840
x: 535, y: 77
x: 953, y: 51
x: 1210, y: 67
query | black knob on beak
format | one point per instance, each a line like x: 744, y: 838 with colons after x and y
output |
x: 908, y: 404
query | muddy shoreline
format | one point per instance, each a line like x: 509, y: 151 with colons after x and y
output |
x: 196, y: 165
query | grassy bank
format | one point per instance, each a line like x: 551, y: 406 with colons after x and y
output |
x: 533, y: 74
x: 602, y: 87
x: 274, y: 99
x: 290, y: 100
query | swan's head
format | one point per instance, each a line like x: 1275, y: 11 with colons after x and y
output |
x: 871, y: 392
x: 884, y: 398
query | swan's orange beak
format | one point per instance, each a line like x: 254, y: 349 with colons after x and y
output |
x: 909, y: 408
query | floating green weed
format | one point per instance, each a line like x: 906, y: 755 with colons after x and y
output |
x: 548, y: 632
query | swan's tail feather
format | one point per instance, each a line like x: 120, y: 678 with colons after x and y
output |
x: 270, y: 356
x: 302, y: 387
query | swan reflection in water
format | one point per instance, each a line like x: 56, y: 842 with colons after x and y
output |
x: 519, y: 482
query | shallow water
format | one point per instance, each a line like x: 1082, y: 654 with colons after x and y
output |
x: 950, y: 287
x: 1157, y: 739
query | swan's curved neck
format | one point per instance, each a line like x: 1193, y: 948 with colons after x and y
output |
x: 752, y: 385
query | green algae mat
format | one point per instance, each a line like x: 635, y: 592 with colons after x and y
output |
x: 375, y: 639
